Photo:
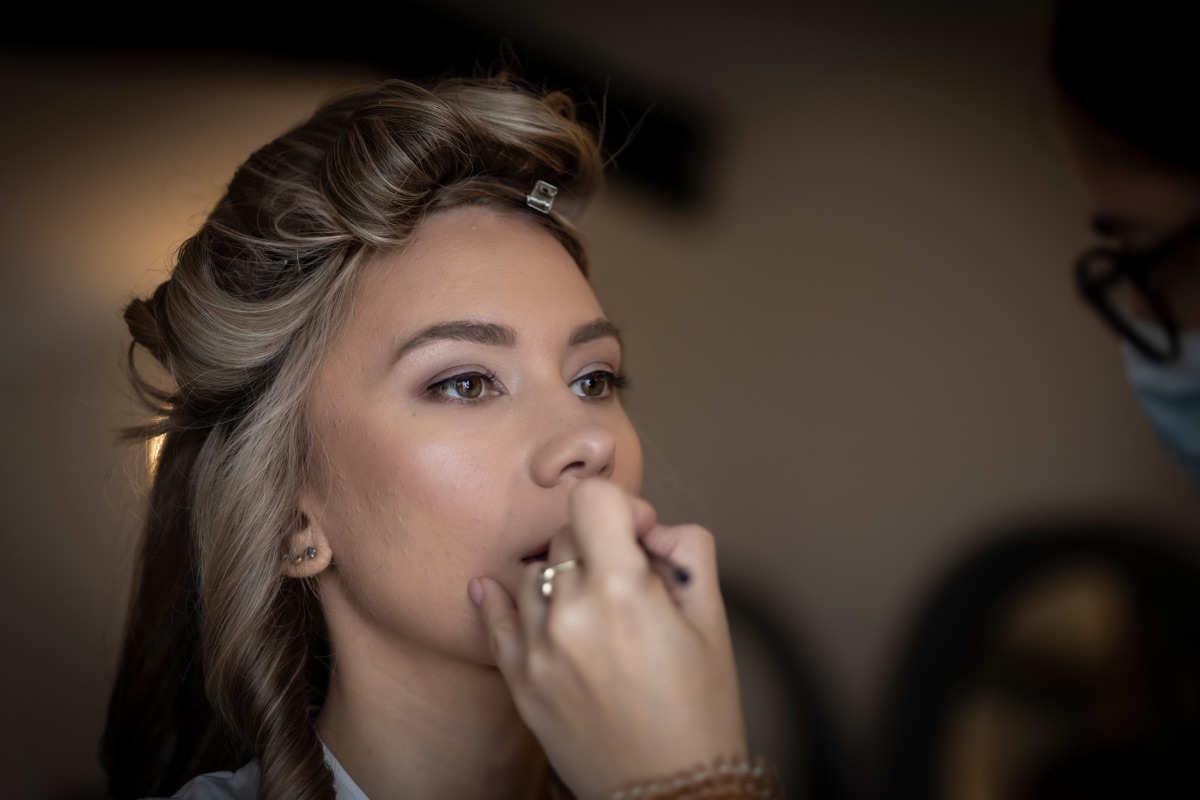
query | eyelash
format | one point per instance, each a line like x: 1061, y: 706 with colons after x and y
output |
x: 438, y: 389
x: 616, y: 382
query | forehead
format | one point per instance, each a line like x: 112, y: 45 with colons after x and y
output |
x: 476, y: 261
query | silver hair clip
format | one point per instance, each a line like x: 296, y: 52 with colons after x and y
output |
x: 542, y: 197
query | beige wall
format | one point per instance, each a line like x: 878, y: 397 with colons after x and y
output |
x: 863, y: 355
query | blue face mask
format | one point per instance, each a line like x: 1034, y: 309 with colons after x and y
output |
x: 1170, y: 397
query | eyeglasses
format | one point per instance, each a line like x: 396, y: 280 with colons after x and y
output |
x: 1117, y: 281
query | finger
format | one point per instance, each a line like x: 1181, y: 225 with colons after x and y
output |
x: 505, y: 632
x: 560, y: 581
x: 645, y: 516
x: 693, y: 548
x: 689, y: 546
x: 531, y: 605
x: 562, y: 550
x: 603, y: 526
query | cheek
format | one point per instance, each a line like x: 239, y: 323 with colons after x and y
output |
x: 457, y: 482
x: 411, y: 519
x: 416, y: 480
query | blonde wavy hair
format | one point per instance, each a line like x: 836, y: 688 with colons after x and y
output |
x: 225, y: 656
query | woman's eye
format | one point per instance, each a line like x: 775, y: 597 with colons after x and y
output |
x: 600, y: 383
x: 467, y: 386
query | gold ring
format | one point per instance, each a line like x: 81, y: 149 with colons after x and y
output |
x: 546, y: 576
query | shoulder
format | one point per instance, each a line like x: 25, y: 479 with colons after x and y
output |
x: 224, y: 785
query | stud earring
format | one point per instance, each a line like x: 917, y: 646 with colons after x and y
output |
x: 310, y: 552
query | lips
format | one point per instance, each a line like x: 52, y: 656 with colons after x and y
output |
x: 537, y: 555
x: 541, y: 553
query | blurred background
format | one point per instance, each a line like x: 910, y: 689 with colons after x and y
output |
x: 838, y: 244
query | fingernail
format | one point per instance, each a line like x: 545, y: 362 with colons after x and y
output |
x: 475, y: 589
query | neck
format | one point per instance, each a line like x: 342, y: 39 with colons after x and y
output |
x: 424, y: 724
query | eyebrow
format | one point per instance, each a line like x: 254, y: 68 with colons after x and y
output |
x: 462, y: 330
x: 496, y: 335
x: 591, y: 331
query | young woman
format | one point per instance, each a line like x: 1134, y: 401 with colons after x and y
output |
x: 394, y: 547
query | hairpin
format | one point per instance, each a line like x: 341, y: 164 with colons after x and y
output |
x: 542, y: 197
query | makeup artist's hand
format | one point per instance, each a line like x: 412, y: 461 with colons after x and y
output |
x: 622, y: 677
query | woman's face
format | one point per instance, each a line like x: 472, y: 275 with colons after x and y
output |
x: 475, y: 382
x: 1136, y: 202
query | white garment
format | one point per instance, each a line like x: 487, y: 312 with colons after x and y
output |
x: 243, y: 784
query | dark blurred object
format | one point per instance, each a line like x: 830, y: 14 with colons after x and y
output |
x: 1131, y: 67
x: 1060, y: 661
x: 787, y: 716
x: 659, y: 141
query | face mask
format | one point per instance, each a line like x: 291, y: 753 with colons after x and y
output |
x: 1170, y: 397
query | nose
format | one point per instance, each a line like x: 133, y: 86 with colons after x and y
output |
x: 573, y: 443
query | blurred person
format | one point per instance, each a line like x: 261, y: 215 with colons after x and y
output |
x: 1059, y: 659
x: 395, y: 545
x: 1123, y: 73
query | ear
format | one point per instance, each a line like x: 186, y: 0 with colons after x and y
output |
x: 308, y: 551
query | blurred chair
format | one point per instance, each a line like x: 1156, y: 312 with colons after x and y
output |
x: 787, y: 716
x: 1060, y: 661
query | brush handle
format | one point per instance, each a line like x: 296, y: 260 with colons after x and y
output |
x: 668, y: 569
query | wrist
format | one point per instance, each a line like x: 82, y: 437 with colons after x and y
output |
x: 737, y: 778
